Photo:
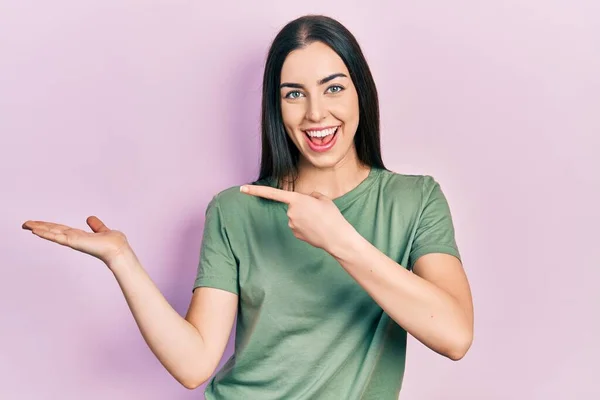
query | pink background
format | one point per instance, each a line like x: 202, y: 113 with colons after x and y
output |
x: 140, y: 111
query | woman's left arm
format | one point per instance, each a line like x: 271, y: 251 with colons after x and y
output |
x: 433, y: 304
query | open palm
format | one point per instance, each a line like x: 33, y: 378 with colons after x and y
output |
x: 102, y: 243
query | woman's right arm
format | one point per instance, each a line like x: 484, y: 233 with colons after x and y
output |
x: 189, y: 348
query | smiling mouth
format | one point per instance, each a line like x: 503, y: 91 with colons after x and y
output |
x: 321, y: 137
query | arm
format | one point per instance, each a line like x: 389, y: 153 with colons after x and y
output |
x: 191, y: 348
x: 434, y: 304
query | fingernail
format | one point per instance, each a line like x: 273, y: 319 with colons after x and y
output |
x: 243, y: 189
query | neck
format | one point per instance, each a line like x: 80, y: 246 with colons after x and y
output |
x: 334, y: 181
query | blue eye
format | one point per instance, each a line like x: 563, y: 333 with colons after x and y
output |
x: 294, y: 94
x: 335, y: 89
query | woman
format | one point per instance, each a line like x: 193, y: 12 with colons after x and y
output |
x: 329, y: 259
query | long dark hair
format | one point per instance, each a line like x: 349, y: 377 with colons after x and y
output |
x: 279, y: 159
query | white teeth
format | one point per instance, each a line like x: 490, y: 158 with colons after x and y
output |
x: 322, y: 133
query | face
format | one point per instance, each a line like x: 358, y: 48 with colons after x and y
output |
x: 319, y: 106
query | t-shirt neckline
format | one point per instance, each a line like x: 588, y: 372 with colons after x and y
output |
x: 344, y: 200
x: 347, y: 198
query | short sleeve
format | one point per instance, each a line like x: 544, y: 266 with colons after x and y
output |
x: 435, y: 229
x: 217, y: 267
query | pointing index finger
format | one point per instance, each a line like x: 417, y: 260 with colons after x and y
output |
x: 268, y: 192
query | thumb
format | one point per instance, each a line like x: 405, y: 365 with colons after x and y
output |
x: 319, y: 196
x: 96, y: 225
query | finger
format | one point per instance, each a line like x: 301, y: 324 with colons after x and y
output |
x: 49, y: 226
x: 268, y: 192
x: 96, y: 225
x: 59, y: 238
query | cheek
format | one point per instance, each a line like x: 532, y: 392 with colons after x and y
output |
x: 291, y: 119
x: 347, y: 111
x: 291, y: 114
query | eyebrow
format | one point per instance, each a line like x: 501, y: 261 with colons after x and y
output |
x: 319, y: 82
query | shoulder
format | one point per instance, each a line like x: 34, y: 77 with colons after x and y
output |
x: 232, y: 201
x: 228, y: 199
x: 413, y: 186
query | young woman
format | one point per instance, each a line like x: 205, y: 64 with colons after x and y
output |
x: 328, y: 259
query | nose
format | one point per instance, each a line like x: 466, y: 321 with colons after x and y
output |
x: 316, y: 111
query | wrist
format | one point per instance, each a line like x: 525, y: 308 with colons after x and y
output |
x: 123, y: 260
x: 347, y: 244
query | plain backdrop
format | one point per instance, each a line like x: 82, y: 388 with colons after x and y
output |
x: 140, y: 111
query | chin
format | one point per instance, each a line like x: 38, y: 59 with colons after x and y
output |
x: 323, y: 162
x: 331, y: 159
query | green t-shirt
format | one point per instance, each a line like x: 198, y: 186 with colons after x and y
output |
x: 305, y: 328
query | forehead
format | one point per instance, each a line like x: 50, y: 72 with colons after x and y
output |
x: 311, y: 63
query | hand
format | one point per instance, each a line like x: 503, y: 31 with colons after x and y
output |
x: 102, y: 243
x: 313, y: 218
